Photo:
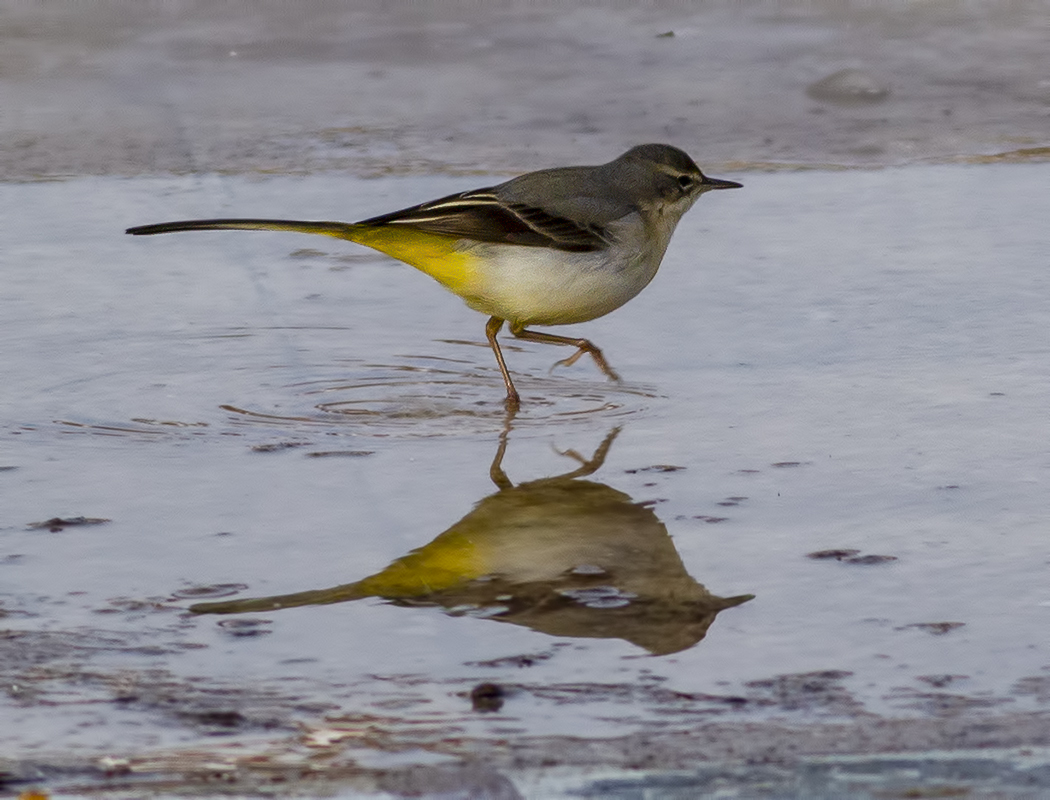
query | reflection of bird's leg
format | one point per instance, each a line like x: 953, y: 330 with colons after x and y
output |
x: 496, y: 473
x: 582, y: 345
x: 587, y: 466
x: 594, y: 463
x: 513, y: 401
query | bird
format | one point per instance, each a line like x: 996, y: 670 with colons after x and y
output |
x: 558, y: 246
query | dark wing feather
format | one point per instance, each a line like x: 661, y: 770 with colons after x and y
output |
x: 481, y: 216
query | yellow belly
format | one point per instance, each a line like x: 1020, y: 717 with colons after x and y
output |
x: 432, y: 253
x: 523, y: 285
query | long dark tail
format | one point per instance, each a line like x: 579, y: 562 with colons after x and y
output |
x: 341, y: 230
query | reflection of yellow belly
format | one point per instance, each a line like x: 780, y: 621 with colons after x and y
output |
x: 452, y: 560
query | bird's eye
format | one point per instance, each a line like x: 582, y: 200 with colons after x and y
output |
x: 686, y: 181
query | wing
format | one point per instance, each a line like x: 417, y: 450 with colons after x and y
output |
x: 480, y: 215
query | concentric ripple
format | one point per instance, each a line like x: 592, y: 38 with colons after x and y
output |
x: 409, y: 395
x: 440, y: 397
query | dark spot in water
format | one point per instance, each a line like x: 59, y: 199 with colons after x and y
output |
x: 522, y: 660
x: 838, y: 554
x: 276, y: 447
x: 214, y: 590
x: 807, y: 691
x: 655, y: 468
x: 56, y: 524
x: 340, y: 453
x: 940, y: 681
x: 218, y: 719
x: 134, y: 605
x: 869, y: 559
x: 935, y: 628
x: 486, y: 697
x: 848, y: 555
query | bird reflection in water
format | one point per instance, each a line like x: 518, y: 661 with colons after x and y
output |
x: 560, y: 555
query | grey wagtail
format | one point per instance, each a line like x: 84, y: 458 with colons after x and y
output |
x: 553, y: 247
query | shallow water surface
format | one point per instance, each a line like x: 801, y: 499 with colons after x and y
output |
x: 816, y: 498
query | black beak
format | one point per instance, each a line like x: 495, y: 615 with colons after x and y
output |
x: 718, y: 183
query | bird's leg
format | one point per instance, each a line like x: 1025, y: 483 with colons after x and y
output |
x: 513, y: 401
x: 582, y: 345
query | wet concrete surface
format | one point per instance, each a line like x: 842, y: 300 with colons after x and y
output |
x: 264, y: 513
x: 394, y: 87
